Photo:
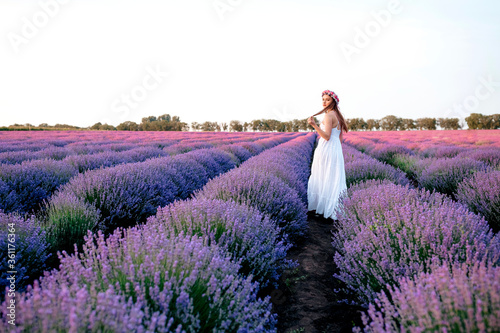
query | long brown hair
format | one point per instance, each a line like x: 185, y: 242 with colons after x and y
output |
x: 335, y: 107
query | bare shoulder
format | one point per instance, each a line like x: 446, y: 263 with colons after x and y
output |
x: 330, y: 116
x: 333, y: 118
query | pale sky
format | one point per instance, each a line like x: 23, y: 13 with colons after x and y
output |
x: 79, y: 62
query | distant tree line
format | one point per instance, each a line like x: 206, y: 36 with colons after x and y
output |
x: 161, y: 123
x: 41, y: 127
x: 173, y: 123
x: 393, y: 123
x: 478, y: 121
x: 388, y: 123
x: 259, y: 125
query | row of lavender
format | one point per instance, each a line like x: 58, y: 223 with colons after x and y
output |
x: 419, y: 261
x: 115, y: 140
x: 196, y: 266
x: 24, y: 186
x: 119, y: 196
x: 69, y: 149
x: 468, y: 175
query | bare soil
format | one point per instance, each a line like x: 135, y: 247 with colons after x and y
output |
x: 305, y: 300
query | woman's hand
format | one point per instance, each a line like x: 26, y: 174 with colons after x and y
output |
x: 310, y: 120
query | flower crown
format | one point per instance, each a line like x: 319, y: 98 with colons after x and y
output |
x: 331, y: 94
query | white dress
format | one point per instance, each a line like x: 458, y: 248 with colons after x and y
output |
x: 327, y: 180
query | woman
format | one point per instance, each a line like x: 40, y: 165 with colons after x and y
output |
x: 327, y: 180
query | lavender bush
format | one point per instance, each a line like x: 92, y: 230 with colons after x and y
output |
x: 352, y: 154
x: 14, y: 157
x: 389, y: 231
x: 488, y: 155
x: 386, y: 152
x: 111, y: 158
x: 409, y: 164
x: 194, y: 175
x: 365, y: 169
x: 268, y: 193
x: 481, y: 193
x: 126, y: 193
x: 31, y: 249
x: 444, y: 151
x: 17, y: 145
x: 214, y: 160
x: 148, y: 281
x: 269, y: 189
x: 129, y: 193
x: 27, y: 184
x: 243, y: 231
x: 288, y: 165
x: 253, y: 147
x: 95, y: 161
x: 182, y: 147
x: 240, y: 152
x: 444, y: 174
x: 464, y: 298
x: 30, y: 182
x: 67, y: 220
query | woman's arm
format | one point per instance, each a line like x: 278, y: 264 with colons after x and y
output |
x: 328, y: 128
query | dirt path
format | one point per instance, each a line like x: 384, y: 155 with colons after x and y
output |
x: 305, y: 301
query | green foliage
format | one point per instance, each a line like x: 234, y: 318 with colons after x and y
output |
x: 478, y: 121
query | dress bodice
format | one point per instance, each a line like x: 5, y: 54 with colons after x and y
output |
x: 335, y: 130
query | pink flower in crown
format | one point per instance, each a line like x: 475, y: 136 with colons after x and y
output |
x: 331, y: 94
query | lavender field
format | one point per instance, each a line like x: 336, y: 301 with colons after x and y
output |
x: 190, y: 231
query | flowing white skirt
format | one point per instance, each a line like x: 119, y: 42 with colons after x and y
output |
x: 327, y: 180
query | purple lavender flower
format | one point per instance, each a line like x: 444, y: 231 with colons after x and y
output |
x: 488, y: 155
x: 386, y: 152
x: 444, y: 151
x: 388, y: 231
x: 145, y: 280
x: 131, y: 192
x: 444, y: 174
x: 31, y: 250
x: 240, y: 152
x: 481, y: 193
x: 463, y: 298
x: 269, y: 194
x: 365, y: 169
x: 27, y: 184
x: 243, y: 231
x: 68, y: 218
x: 263, y: 189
